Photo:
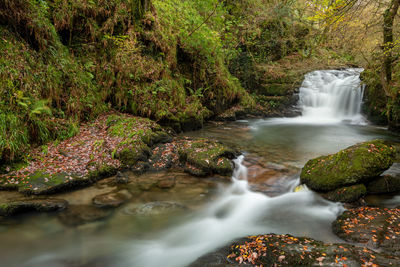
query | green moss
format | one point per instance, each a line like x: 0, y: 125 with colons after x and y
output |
x: 206, y: 157
x: 137, y: 136
x: 356, y: 164
x: 347, y: 194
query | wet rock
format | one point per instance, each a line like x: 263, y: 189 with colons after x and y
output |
x: 164, y: 156
x: 112, y: 200
x: 146, y: 182
x: 158, y: 208
x: 286, y: 250
x: 80, y: 214
x: 166, y: 182
x: 374, y: 227
x: 217, y: 258
x: 121, y: 178
x: 203, y: 157
x: 357, y: 164
x: 228, y: 115
x: 384, y: 184
x: 347, y: 194
x: 42, y: 183
x: 18, y: 206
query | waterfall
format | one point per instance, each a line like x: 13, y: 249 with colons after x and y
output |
x: 332, y: 96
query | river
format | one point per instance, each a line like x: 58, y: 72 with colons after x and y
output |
x: 258, y: 199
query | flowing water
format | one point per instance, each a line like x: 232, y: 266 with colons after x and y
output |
x: 258, y: 199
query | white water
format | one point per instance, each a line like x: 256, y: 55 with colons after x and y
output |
x: 236, y: 213
x: 330, y: 97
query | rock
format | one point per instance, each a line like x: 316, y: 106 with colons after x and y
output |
x: 228, y: 115
x: 286, y: 250
x: 121, y: 178
x: 157, y: 208
x: 136, y: 136
x: 18, y: 206
x: 203, y: 157
x: 384, y: 184
x: 112, y: 200
x: 146, y: 182
x: 80, y: 214
x: 164, y: 156
x: 42, y: 183
x: 217, y: 258
x: 388, y: 182
x: 166, y: 182
x: 347, y: 194
x: 357, y: 164
x: 375, y: 227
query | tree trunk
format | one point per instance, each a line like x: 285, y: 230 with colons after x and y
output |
x: 388, y: 21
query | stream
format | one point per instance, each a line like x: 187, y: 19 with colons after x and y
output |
x: 207, y: 213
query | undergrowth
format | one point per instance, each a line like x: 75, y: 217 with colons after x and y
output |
x: 178, y: 62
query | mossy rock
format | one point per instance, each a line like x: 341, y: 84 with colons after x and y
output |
x: 42, y: 183
x: 384, y: 184
x: 287, y: 250
x: 356, y: 164
x: 204, y: 157
x: 346, y: 194
x: 137, y: 136
x: 19, y: 206
x: 378, y: 228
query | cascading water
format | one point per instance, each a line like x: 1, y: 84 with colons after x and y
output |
x: 238, y: 212
x: 332, y: 96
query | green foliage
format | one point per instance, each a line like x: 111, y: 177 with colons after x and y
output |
x: 64, y: 62
x: 13, y: 136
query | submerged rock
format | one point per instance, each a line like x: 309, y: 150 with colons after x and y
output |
x: 121, y: 178
x: 375, y: 227
x: 286, y: 250
x: 347, y: 194
x: 81, y: 214
x: 18, y: 206
x: 166, y: 182
x: 112, y: 200
x: 357, y: 164
x: 156, y: 208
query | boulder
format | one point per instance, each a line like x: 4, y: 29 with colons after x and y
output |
x: 18, y: 206
x: 388, y: 182
x: 287, y: 250
x: 354, y: 165
x: 347, y: 194
x: 376, y: 227
x: 384, y: 184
